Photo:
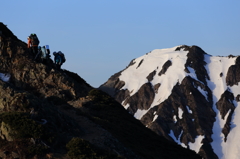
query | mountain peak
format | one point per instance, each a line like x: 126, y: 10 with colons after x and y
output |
x: 179, y: 93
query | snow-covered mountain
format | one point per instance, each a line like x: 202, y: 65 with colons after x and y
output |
x: 185, y: 95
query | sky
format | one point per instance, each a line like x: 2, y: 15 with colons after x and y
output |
x: 134, y: 78
x: 100, y: 38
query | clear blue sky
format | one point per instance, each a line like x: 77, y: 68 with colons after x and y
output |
x: 101, y: 37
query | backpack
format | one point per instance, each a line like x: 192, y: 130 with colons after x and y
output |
x: 47, y: 49
x: 34, y: 39
x: 62, y: 56
x: 44, y: 53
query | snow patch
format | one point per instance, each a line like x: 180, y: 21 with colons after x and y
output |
x: 175, y: 118
x: 197, y: 144
x: 155, y: 117
x: 192, y: 73
x: 138, y: 115
x: 5, y: 77
x: 180, y: 112
x: 189, y: 111
x: 126, y: 106
x: 177, y: 140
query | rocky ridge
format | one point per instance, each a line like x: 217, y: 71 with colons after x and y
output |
x: 51, y: 113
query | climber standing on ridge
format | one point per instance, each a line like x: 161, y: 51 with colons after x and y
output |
x: 48, y: 49
x: 59, y: 59
x: 43, y: 54
x: 33, y: 43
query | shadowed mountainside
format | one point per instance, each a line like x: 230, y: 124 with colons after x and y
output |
x: 50, y: 113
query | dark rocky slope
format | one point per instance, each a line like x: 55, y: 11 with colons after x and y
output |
x: 50, y: 113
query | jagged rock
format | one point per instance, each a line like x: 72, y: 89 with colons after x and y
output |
x: 233, y: 74
x: 107, y: 87
x: 165, y: 67
x: 206, y: 150
x: 179, y: 99
x: 156, y: 86
x: 196, y: 61
x: 151, y: 76
x: 144, y: 96
x: 6, y: 132
x: 121, y: 95
x: 226, y: 105
x: 238, y: 98
x: 140, y: 63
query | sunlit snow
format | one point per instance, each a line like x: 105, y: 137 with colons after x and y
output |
x: 155, y: 117
x: 140, y: 113
x: 217, y: 67
x: 230, y: 149
x: 180, y: 112
x: 136, y: 76
x: 197, y: 144
x: 189, y: 111
x: 175, y: 118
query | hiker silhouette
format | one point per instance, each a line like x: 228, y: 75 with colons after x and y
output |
x: 43, y: 54
x: 59, y: 59
x: 33, y: 43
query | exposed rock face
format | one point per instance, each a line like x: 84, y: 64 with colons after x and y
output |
x: 113, y: 84
x: 140, y: 63
x: 196, y: 61
x: 141, y: 100
x: 197, y: 112
x: 226, y: 106
x: 233, y: 74
x: 6, y: 132
x: 43, y: 108
x: 165, y: 67
x: 151, y: 75
x: 188, y: 113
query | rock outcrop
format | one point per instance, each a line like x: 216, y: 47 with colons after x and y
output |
x: 233, y: 74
